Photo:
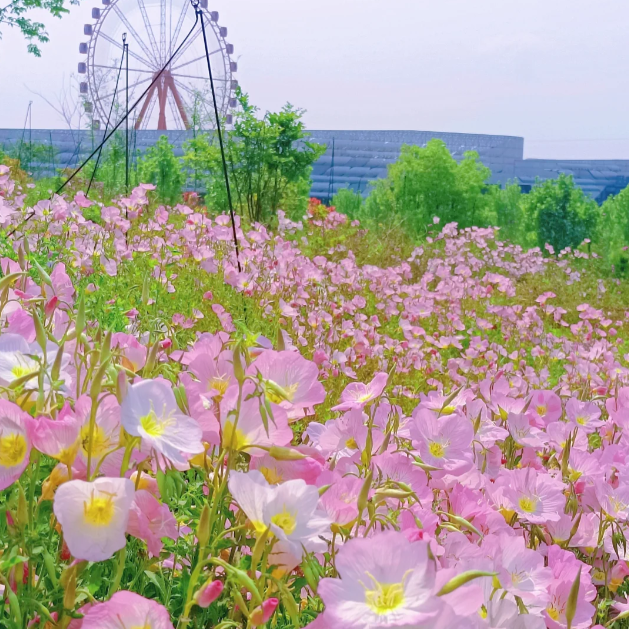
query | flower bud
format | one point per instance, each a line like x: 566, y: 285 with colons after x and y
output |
x: 208, y: 593
x: 203, y: 529
x: 262, y: 613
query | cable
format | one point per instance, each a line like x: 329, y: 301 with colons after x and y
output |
x: 137, y: 102
x: 111, y: 109
x: 195, y: 4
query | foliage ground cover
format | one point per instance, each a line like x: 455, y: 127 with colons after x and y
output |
x: 351, y: 432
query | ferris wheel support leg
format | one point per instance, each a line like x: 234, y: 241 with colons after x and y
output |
x: 145, y: 106
x: 175, y: 92
x: 162, y: 93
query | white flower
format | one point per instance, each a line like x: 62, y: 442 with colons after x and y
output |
x: 94, y: 516
x: 150, y: 411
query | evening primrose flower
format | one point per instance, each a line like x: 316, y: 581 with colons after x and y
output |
x: 127, y: 610
x: 356, y: 394
x: 443, y: 442
x: 15, y: 442
x: 150, y: 411
x: 246, y: 430
x: 535, y: 497
x: 94, y: 516
x: 297, y: 386
x: 289, y: 510
x: 386, y: 581
x: 15, y: 359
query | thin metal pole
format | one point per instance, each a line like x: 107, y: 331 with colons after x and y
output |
x: 126, y: 122
x: 195, y: 4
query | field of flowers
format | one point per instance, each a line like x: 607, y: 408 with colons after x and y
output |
x: 349, y: 433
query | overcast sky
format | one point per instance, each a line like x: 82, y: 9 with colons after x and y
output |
x: 553, y: 71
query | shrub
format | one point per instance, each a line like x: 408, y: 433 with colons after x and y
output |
x: 559, y: 213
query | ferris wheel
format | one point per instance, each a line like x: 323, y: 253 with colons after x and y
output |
x: 181, y: 97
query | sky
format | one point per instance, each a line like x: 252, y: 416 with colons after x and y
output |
x: 552, y: 71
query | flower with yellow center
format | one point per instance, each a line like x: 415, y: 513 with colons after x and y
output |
x: 437, y: 449
x: 98, y: 510
x: 150, y: 411
x: 13, y: 448
x: 15, y: 444
x: 528, y: 504
x: 285, y: 520
x: 94, y: 516
x: 384, y: 598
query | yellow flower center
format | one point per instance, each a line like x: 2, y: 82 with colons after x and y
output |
x: 574, y: 475
x: 277, y: 394
x: 285, y: 520
x: 272, y: 475
x: 541, y: 410
x: 13, y: 449
x: 385, y: 597
x: 482, y: 612
x: 19, y: 371
x: 100, y: 441
x: 448, y: 410
x: 233, y: 439
x: 553, y: 612
x: 218, y: 383
x: 437, y: 449
x: 582, y: 421
x: 153, y: 425
x: 528, y: 504
x: 99, y: 511
x: 351, y: 444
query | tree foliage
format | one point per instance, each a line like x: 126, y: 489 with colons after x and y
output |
x: 560, y: 213
x: 16, y: 14
x: 428, y: 182
x: 159, y: 166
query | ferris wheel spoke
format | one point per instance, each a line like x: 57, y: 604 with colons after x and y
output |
x: 96, y: 65
x: 111, y: 40
x: 187, y: 63
x: 149, y: 30
x: 196, y: 76
x: 175, y: 36
x: 162, y: 31
x: 133, y: 32
x: 106, y: 96
x: 187, y: 44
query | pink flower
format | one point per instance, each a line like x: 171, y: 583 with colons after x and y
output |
x: 386, y: 581
x: 445, y: 442
x: 535, y: 497
x: 298, y: 389
x: 523, y: 433
x: 247, y: 430
x: 356, y: 395
x: 127, y: 609
x: 57, y: 438
x: 545, y: 407
x: 150, y: 520
x: 15, y: 442
x: 586, y: 415
x: 94, y: 516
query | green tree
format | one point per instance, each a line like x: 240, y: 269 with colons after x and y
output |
x: 16, y: 14
x: 559, y: 213
x: 427, y: 182
x: 613, y: 232
x: 159, y: 166
x: 505, y: 208
x: 270, y: 160
x: 348, y: 202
